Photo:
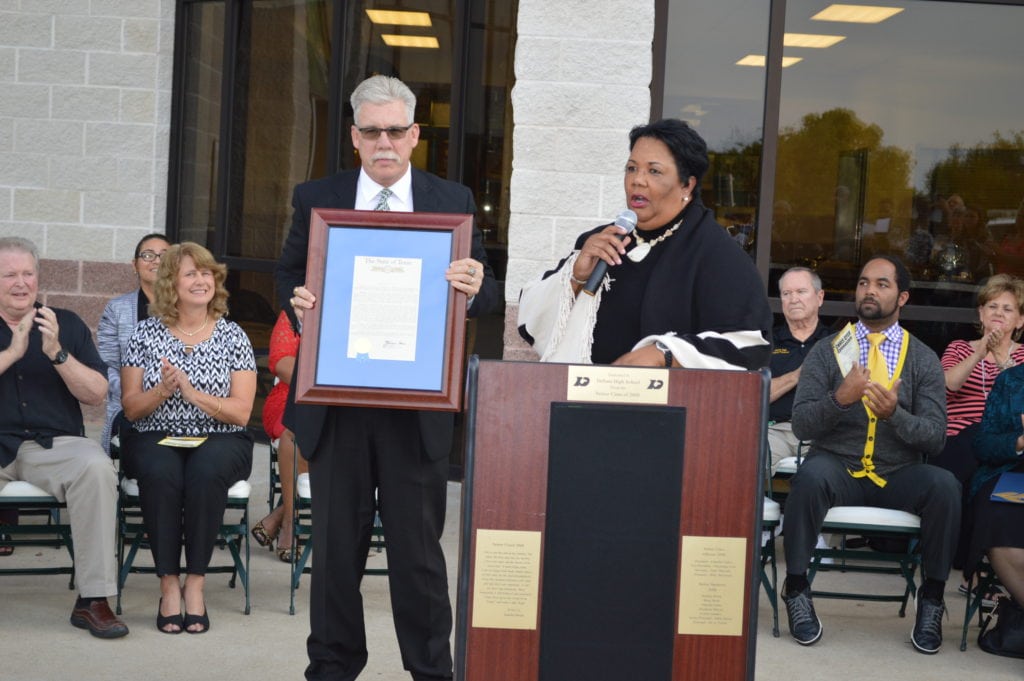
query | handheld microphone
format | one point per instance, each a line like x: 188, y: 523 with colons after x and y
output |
x: 627, y: 221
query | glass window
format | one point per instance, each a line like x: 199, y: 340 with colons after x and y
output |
x: 487, y: 141
x: 420, y: 54
x: 280, y: 119
x: 200, y: 123
x: 905, y: 137
x: 722, y: 99
x: 237, y: 160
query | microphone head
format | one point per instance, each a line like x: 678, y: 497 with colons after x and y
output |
x: 626, y: 220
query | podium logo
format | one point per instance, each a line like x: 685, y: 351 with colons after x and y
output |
x: 656, y: 384
x: 581, y: 382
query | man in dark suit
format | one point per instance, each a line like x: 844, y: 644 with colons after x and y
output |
x: 354, y: 452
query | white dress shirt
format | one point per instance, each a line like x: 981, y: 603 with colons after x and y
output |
x: 368, y: 192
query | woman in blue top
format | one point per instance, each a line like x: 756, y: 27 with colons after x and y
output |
x: 187, y: 372
x: 119, y: 319
x: 997, y: 528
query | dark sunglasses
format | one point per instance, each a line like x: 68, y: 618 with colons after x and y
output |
x: 394, y: 132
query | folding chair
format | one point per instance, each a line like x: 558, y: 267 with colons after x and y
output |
x: 30, y: 501
x: 233, y: 535
x: 771, y: 522
x: 987, y: 579
x: 771, y: 514
x: 874, y: 522
x: 274, y: 478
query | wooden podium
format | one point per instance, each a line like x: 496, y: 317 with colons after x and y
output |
x: 610, y: 523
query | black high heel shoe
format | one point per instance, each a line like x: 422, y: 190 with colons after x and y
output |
x: 165, y: 620
x: 203, y: 619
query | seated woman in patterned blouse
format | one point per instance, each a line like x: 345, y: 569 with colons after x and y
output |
x: 187, y: 371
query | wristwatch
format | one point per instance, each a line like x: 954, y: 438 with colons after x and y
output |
x: 62, y: 356
x: 666, y: 350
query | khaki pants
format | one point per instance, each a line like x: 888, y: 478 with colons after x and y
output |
x: 781, y: 443
x: 78, y: 472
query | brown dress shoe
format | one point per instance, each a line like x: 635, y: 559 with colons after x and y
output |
x: 98, y: 618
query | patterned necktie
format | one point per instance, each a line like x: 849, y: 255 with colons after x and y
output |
x: 382, y: 199
x: 876, y: 360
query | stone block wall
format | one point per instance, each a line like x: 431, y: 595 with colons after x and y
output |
x: 85, y: 91
x: 583, y: 76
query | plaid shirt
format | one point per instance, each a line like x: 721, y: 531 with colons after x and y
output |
x: 890, y: 346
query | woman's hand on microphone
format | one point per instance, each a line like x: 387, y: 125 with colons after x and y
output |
x: 608, y: 245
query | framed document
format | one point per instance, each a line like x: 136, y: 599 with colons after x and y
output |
x: 388, y: 330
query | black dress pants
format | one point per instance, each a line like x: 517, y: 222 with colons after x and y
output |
x: 823, y: 481
x: 362, y: 452
x: 183, y: 492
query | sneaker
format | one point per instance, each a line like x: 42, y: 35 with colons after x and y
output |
x: 804, y: 624
x: 927, y: 633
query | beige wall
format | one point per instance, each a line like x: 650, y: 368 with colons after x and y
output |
x: 583, y: 75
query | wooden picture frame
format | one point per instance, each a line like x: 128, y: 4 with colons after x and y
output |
x: 388, y: 329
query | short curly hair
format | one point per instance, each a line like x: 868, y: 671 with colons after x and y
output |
x: 997, y: 285
x: 165, y: 294
x: 689, y: 150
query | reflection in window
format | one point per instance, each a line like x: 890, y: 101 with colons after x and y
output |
x: 426, y: 70
x: 200, y: 125
x: 722, y: 100
x: 893, y: 140
x: 280, y: 111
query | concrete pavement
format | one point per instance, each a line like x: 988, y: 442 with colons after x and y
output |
x: 863, y: 641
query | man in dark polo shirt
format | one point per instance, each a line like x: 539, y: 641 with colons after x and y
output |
x: 802, y: 297
x: 48, y: 366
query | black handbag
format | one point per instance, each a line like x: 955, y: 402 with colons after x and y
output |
x: 1006, y: 638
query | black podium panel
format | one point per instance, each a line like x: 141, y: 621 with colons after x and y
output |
x: 611, y: 548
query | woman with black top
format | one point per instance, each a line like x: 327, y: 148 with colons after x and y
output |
x: 678, y: 292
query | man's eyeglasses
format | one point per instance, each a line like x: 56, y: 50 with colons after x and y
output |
x: 150, y: 256
x: 395, y: 132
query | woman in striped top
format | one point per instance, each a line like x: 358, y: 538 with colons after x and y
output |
x: 971, y: 368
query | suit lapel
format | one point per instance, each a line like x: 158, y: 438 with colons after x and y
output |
x: 345, y: 190
x: 424, y: 199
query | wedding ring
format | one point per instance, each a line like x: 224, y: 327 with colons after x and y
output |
x: 471, y: 271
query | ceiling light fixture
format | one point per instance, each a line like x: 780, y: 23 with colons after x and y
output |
x: 857, y: 14
x: 398, y: 18
x: 811, y: 40
x: 423, y: 41
x: 760, y: 60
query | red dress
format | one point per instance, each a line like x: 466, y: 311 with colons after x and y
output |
x: 284, y: 342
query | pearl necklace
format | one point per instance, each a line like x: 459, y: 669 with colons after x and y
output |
x: 1008, y: 362
x: 192, y: 333
x: 1000, y: 366
x: 643, y: 247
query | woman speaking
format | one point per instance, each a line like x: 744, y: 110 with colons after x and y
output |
x: 678, y: 290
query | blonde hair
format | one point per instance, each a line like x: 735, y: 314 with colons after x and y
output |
x: 165, y: 291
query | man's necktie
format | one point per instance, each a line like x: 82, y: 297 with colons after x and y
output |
x: 382, y: 199
x: 876, y: 360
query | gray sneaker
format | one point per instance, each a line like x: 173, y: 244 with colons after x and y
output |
x: 804, y: 624
x: 927, y: 633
